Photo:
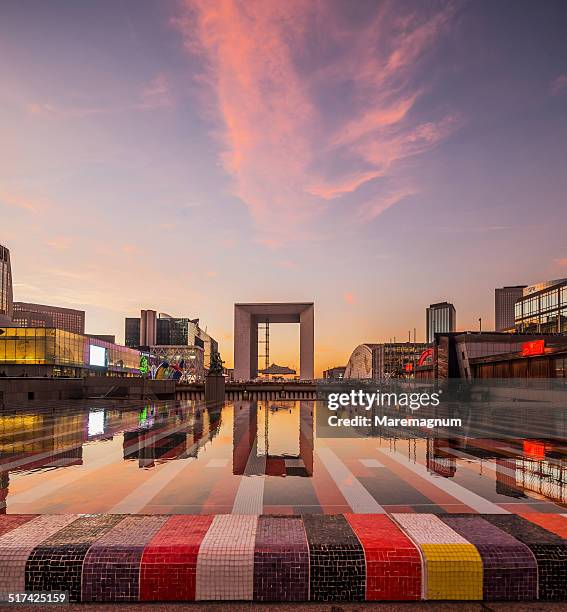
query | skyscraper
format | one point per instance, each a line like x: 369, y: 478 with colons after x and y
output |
x: 6, y: 291
x: 504, y: 300
x: 440, y: 317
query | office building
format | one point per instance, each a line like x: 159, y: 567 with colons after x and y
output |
x: 6, y: 290
x: 336, y: 373
x: 151, y: 330
x: 45, y: 351
x: 542, y: 309
x: 381, y: 361
x: 471, y: 355
x: 148, y: 328
x: 439, y: 318
x: 132, y: 332
x: 41, y: 315
x: 504, y: 300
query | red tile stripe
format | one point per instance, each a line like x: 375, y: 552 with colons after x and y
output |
x: 393, y: 562
x: 552, y: 522
x: 169, y: 563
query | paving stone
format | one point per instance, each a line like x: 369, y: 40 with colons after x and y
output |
x: 453, y: 565
x: 56, y: 564
x: 225, y: 564
x: 337, y: 564
x: 281, y: 560
x: 169, y: 563
x: 111, y: 569
x: 509, y: 567
x: 393, y: 562
x: 549, y: 549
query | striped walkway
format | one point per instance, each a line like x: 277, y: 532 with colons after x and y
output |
x: 352, y: 557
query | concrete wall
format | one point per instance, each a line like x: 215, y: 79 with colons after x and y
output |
x: 15, y: 391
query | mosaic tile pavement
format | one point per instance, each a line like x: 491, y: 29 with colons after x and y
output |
x: 509, y: 567
x: 281, y: 560
x: 337, y: 566
x: 549, y: 550
x: 453, y: 565
x: 352, y: 557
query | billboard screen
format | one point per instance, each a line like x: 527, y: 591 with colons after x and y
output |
x: 97, y: 356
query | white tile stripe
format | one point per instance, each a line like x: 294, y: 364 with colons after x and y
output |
x: 225, y: 564
x: 371, y: 463
x: 357, y: 497
x: 217, y: 463
x: 17, y: 545
x: 143, y: 494
x: 472, y: 500
x: 428, y: 529
x: 249, y: 498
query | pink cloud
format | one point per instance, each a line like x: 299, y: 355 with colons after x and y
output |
x: 561, y: 262
x: 287, y: 152
x: 154, y: 95
x: 371, y: 209
x: 559, y: 84
x: 349, y: 298
x: 60, y: 243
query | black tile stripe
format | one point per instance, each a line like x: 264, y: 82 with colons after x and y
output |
x: 337, y: 564
x: 548, y: 548
x: 56, y: 565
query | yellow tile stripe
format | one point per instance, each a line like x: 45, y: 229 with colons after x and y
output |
x: 453, y: 571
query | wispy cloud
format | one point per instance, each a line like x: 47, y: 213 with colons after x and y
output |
x: 154, y: 95
x: 287, y: 150
x: 59, y: 243
x: 559, y: 84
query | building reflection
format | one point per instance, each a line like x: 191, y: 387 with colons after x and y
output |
x: 45, y: 440
x: 275, y: 438
x: 279, y: 432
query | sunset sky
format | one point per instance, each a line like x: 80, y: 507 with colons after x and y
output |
x: 372, y: 157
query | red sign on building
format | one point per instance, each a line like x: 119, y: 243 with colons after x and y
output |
x: 534, y: 347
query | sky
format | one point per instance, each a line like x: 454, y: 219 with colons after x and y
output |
x: 372, y: 157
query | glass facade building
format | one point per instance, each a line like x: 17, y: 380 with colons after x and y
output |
x: 41, y: 315
x: 39, y: 351
x: 6, y: 291
x: 542, y: 309
x: 439, y: 318
x: 169, y: 331
x: 387, y: 360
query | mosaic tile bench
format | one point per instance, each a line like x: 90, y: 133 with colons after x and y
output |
x: 350, y: 557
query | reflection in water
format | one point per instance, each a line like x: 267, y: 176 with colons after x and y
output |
x: 279, y: 432
x: 274, y: 439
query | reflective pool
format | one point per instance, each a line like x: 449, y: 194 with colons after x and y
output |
x: 258, y: 457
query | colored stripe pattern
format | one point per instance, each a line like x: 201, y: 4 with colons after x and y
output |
x: 225, y: 565
x: 17, y: 545
x: 509, y: 567
x: 548, y: 548
x: 393, y: 562
x: 111, y: 569
x: 281, y: 560
x: 453, y: 565
x: 57, y: 563
x: 337, y: 566
x: 169, y: 563
x: 353, y: 557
